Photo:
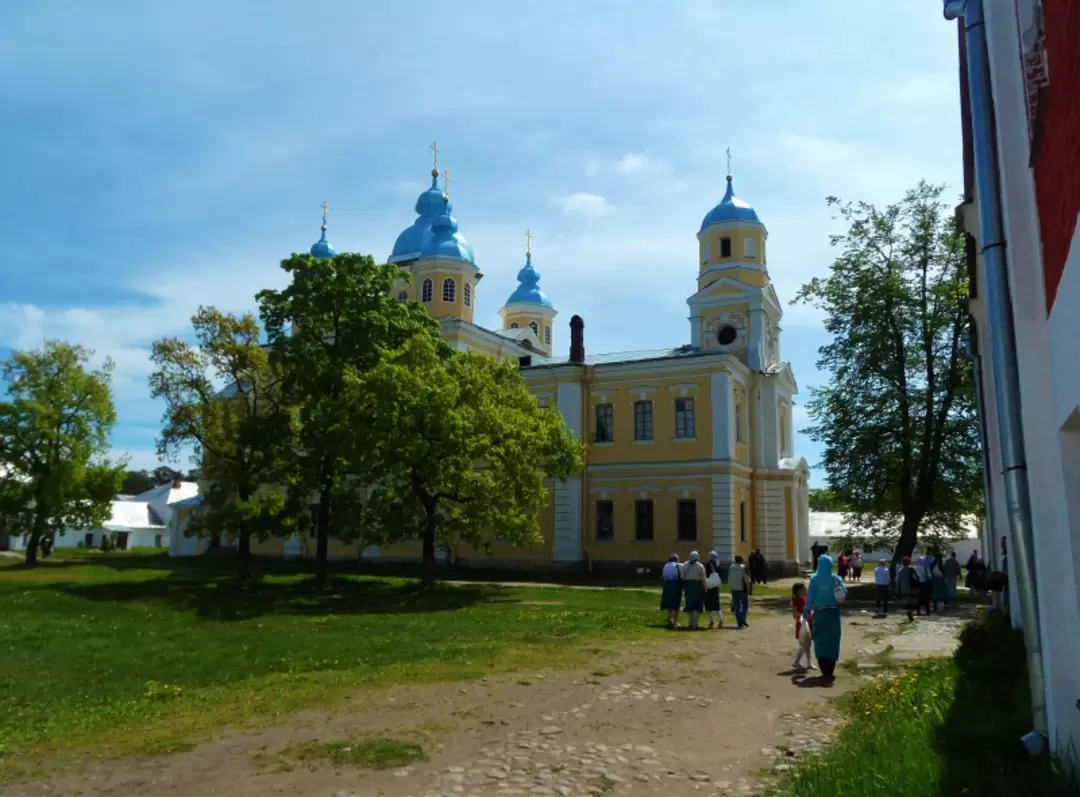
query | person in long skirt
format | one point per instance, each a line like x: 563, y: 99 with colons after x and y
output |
x: 939, y: 590
x: 712, y: 596
x: 693, y: 575
x: 821, y: 603
x: 671, y: 594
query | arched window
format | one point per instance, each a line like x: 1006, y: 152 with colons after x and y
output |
x: 427, y: 291
x: 466, y: 295
x: 449, y: 290
x: 403, y: 296
x: 547, y: 336
x: 534, y: 328
x: 514, y: 325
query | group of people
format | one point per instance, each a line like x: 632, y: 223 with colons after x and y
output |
x: 849, y: 566
x: 699, y: 584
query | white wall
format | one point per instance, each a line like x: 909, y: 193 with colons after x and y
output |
x: 1055, y: 554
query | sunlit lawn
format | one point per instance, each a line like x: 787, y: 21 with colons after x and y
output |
x: 119, y: 653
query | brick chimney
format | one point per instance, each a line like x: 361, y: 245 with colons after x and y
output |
x: 577, y: 340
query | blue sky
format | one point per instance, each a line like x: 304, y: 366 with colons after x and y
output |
x: 159, y: 155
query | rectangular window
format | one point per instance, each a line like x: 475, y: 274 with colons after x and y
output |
x: 605, y: 423
x: 684, y: 418
x: 749, y: 247
x: 738, y: 421
x: 687, y: 520
x: 643, y: 420
x: 643, y: 519
x: 742, y: 521
x: 157, y: 540
x: 725, y: 247
x: 605, y: 521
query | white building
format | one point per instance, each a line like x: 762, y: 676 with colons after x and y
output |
x: 139, y: 521
x: 1034, y: 81
x: 829, y: 528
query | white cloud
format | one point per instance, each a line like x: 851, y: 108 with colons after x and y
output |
x: 632, y: 163
x: 585, y: 203
x: 592, y: 169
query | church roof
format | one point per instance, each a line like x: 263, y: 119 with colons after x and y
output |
x: 731, y: 208
x: 528, y: 289
x: 638, y: 355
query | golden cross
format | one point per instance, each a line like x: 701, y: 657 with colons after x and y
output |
x: 446, y: 184
x: 325, y: 209
x: 528, y: 243
x: 435, y: 149
x: 729, y: 161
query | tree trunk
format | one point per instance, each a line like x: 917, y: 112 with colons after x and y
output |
x: 32, y: 548
x: 909, y: 534
x: 428, y: 572
x: 244, y: 555
x: 322, y: 537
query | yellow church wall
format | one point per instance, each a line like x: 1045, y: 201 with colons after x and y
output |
x: 437, y: 307
x: 789, y: 525
x: 662, y: 390
x: 514, y: 319
x: 665, y: 490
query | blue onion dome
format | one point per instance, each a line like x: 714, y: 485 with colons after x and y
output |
x: 322, y: 249
x: 528, y: 289
x: 428, y: 205
x: 444, y: 240
x: 731, y: 208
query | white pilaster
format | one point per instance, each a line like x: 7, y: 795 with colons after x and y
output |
x: 568, y: 531
x: 723, y: 415
x: 755, y: 356
x: 695, y: 331
x: 723, y: 517
x: 569, y: 398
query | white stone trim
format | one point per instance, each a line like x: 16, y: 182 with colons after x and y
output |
x: 569, y: 402
x: 723, y: 517
x: 682, y: 488
x: 682, y: 388
x: 723, y: 416
x: 642, y: 391
x: 567, y: 545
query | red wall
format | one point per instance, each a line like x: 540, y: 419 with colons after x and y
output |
x: 1057, y: 171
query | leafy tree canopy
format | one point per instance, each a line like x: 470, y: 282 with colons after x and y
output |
x: 223, y: 398
x: 335, y: 321
x: 467, y: 452
x: 54, y: 435
x: 822, y: 499
x: 897, y: 417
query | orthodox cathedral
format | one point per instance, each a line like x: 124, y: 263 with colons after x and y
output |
x: 688, y: 448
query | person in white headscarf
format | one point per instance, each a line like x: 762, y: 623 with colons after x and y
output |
x: 712, y: 594
x: 694, y: 579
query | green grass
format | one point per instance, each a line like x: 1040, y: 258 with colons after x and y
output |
x: 942, y: 728
x: 119, y: 653
x: 362, y: 753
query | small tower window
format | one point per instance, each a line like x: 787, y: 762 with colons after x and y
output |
x: 536, y: 329
x: 514, y: 325
x: 403, y: 296
x: 725, y: 247
x: 449, y: 290
x: 749, y: 247
x: 466, y: 295
x: 547, y: 335
x: 726, y: 335
x: 427, y: 291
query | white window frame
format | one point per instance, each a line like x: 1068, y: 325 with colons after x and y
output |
x: 449, y: 290
x: 547, y: 334
x: 749, y: 246
x: 466, y: 294
x: 535, y: 328
x: 427, y: 291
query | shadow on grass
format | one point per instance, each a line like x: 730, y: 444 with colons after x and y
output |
x: 979, y: 738
x: 220, y: 598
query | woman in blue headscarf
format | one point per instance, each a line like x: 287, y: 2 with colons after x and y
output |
x: 821, y: 599
x: 671, y: 595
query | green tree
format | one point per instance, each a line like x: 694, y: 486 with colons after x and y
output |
x: 163, y: 474
x: 464, y: 448
x: 333, y: 323
x: 54, y: 435
x: 897, y: 417
x: 223, y: 401
x: 136, y: 482
x: 822, y: 499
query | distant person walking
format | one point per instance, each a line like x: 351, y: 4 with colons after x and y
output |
x: 757, y: 566
x: 712, y: 594
x: 822, y: 605
x: 804, y: 630
x: 926, y: 586
x: 882, y: 586
x: 816, y: 550
x: 739, y: 583
x: 951, y: 569
x: 856, y: 566
x: 907, y: 588
x: 693, y: 575
x: 939, y: 590
x: 671, y: 594
x: 842, y: 565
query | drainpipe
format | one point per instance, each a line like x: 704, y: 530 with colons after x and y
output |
x: 1003, y: 352
x: 980, y: 410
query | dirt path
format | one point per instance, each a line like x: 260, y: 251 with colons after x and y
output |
x: 692, y: 712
